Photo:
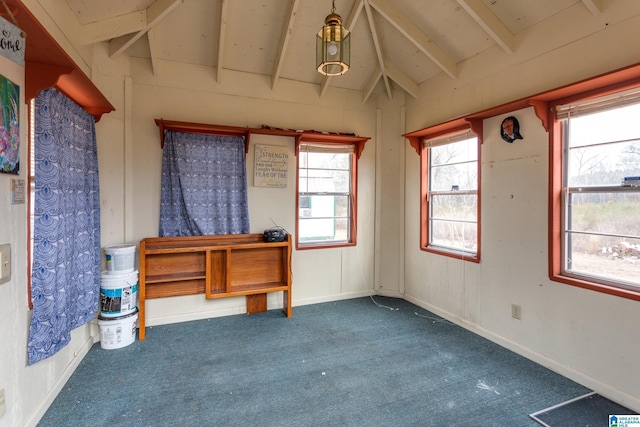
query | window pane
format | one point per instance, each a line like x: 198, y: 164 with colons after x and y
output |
x: 453, y: 216
x: 342, y: 206
x: 457, y: 152
x: 454, y: 207
x: 606, y: 164
x: 462, y: 176
x: 604, y: 257
x: 455, y: 235
x: 323, y: 206
x: 617, y: 124
x: 610, y: 213
x: 602, y: 229
x: 323, y: 229
x: 329, y: 160
x: 325, y: 196
x: 324, y: 181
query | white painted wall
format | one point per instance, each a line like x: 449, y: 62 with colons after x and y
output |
x: 574, y: 331
x: 585, y: 335
x: 29, y: 390
x: 247, y: 100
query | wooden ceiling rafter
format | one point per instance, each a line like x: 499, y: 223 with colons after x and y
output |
x: 486, y: 19
x: 378, y: 48
x: 153, y: 15
x: 221, y: 39
x: 416, y: 36
x: 386, y: 70
x: 284, y: 42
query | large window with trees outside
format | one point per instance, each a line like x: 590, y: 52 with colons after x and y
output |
x: 450, y: 195
x: 600, y: 194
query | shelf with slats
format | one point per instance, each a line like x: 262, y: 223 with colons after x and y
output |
x: 216, y: 266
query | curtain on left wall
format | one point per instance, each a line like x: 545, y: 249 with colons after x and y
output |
x: 65, y: 280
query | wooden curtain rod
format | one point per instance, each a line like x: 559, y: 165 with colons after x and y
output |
x: 306, y: 136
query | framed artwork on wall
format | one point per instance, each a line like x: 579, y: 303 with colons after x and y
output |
x: 10, y: 126
x: 510, y: 129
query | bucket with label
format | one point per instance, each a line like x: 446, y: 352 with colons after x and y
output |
x: 118, y: 294
x: 117, y: 332
x: 120, y: 258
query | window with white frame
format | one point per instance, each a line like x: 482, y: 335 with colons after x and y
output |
x: 326, y: 195
x: 600, y: 192
x: 450, y: 195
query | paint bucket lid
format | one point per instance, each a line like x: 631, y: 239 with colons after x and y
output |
x: 111, y: 319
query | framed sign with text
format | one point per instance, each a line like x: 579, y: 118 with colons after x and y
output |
x: 12, y: 42
x: 271, y: 166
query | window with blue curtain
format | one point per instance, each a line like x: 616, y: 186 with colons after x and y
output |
x: 203, y: 185
x: 65, y: 277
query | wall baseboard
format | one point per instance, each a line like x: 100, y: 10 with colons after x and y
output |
x: 241, y: 308
x: 604, y: 389
x: 78, y: 356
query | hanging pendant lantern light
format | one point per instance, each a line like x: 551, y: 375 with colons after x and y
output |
x: 332, y: 46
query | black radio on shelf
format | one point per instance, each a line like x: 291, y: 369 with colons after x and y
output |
x: 274, y: 234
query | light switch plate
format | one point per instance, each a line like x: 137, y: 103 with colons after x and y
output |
x: 5, y: 263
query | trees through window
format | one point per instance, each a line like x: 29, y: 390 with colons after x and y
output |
x: 600, y: 198
x: 450, y: 195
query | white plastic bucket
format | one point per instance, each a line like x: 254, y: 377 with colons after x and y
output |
x: 117, y: 332
x: 118, y: 294
x: 120, y: 258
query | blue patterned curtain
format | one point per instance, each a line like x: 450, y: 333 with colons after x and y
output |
x: 65, y: 280
x: 204, y: 185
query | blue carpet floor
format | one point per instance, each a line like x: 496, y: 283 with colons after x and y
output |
x: 345, y: 363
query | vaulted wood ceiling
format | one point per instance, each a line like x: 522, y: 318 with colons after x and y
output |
x: 394, y: 43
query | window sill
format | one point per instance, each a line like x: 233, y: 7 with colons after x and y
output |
x: 461, y: 255
x: 329, y: 245
x: 598, y: 287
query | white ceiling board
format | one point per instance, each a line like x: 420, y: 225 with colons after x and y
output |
x: 418, y: 39
x: 196, y: 43
x: 88, y: 11
x: 519, y: 15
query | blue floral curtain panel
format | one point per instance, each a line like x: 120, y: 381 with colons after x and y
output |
x: 204, y: 185
x: 65, y: 278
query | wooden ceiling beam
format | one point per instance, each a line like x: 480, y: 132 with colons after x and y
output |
x: 490, y: 24
x: 112, y: 28
x: 371, y: 84
x: 284, y: 42
x: 416, y: 36
x: 396, y: 74
x: 595, y: 6
x: 153, y: 51
x: 377, y: 46
x: 221, y: 39
x: 154, y: 14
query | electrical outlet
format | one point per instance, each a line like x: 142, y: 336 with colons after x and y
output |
x: 2, y: 405
x: 516, y: 311
x: 5, y: 263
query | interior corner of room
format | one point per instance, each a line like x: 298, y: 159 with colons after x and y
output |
x: 393, y: 85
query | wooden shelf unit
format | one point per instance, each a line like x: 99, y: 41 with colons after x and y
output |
x: 217, y: 266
